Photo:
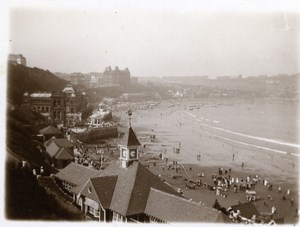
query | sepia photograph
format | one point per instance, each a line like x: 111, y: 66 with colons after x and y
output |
x: 160, y: 112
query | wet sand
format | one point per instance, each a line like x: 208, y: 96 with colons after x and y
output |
x: 175, y: 127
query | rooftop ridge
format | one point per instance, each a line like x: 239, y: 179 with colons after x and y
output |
x: 94, y: 189
x: 181, y: 198
x: 132, y: 186
x: 86, y: 167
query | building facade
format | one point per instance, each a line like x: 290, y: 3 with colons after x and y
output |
x: 115, y: 77
x: 17, y: 59
x: 58, y: 107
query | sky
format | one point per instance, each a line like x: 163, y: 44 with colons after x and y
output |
x: 164, y: 38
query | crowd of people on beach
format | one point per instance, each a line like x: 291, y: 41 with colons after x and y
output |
x: 92, y: 155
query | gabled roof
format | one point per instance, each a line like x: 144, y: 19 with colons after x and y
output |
x: 247, y: 209
x: 63, y: 154
x: 50, y: 130
x: 76, y: 174
x: 132, y: 188
x: 171, y: 208
x: 52, y: 150
x: 102, y: 189
x: 60, y: 142
x: 130, y: 139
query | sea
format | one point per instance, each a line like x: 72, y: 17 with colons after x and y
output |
x: 264, y: 123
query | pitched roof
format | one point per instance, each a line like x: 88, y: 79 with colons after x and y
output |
x: 76, y: 174
x: 130, y: 139
x: 50, y: 130
x: 98, y: 189
x: 171, y: 208
x: 247, y: 209
x: 61, y: 142
x: 132, y: 188
x: 63, y: 154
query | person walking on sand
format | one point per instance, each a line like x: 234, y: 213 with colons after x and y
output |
x: 242, y: 165
x: 233, y: 157
x: 292, y: 202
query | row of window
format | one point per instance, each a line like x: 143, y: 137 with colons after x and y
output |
x: 47, y: 109
x: 63, y: 102
x: 58, y: 115
x: 67, y: 186
x: 41, y: 109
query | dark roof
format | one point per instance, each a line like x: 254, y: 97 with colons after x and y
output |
x: 63, y: 154
x: 130, y: 139
x: 132, y: 188
x: 170, y: 208
x: 61, y: 142
x: 247, y: 209
x: 50, y: 130
x: 102, y: 189
x: 76, y: 174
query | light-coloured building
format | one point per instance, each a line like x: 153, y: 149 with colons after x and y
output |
x: 17, y: 59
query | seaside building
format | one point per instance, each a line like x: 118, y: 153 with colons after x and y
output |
x: 59, y: 151
x: 50, y: 131
x: 58, y: 107
x: 127, y: 191
x: 17, y: 59
x: 100, y: 116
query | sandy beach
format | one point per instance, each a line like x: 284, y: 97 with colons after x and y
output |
x: 174, y: 125
x: 206, y: 149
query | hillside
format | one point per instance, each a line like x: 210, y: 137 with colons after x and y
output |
x: 21, y: 186
x: 21, y: 79
x: 21, y: 125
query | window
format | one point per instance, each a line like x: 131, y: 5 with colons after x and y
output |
x: 93, y: 211
x: 67, y: 186
x: 90, y: 189
x: 117, y: 217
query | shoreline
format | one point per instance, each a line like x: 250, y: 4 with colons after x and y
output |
x: 172, y: 126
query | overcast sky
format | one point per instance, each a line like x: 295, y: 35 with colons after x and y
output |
x: 156, y: 41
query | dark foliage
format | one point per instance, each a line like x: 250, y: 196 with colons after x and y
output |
x: 21, y: 125
x: 27, y: 200
x: 23, y: 79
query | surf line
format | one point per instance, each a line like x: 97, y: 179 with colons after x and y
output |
x: 248, y: 144
x: 245, y: 135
